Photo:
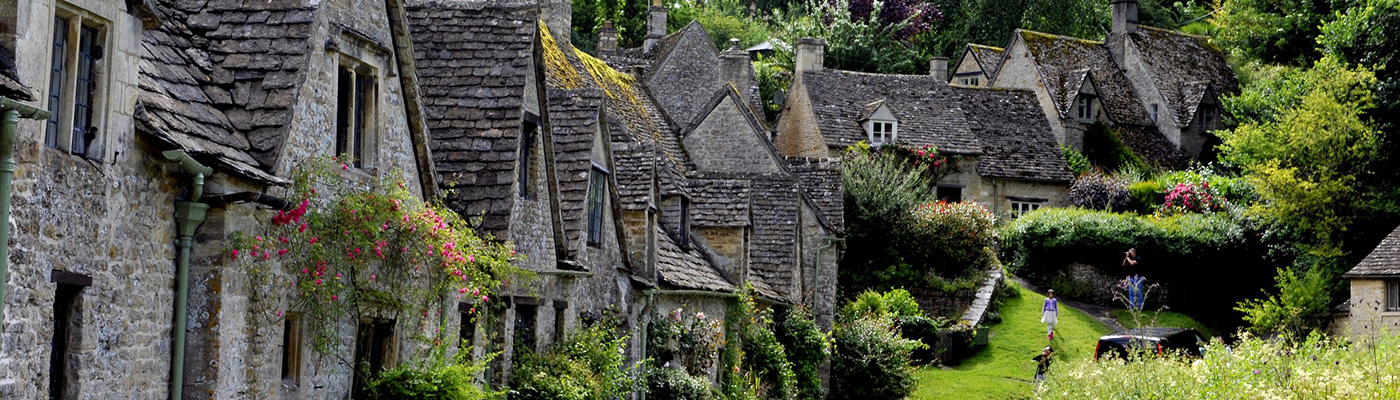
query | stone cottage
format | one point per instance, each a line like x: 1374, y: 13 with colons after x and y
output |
x: 622, y: 209
x: 1006, y: 156
x: 1375, y: 293
x: 1162, y: 88
x: 175, y: 123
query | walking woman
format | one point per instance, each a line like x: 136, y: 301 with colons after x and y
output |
x: 1050, y: 313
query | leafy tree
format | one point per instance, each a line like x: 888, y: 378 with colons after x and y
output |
x: 1305, y: 147
x: 1275, y: 31
x: 1303, y: 304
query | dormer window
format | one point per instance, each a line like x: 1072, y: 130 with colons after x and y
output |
x: 1154, y: 113
x: 1207, y: 118
x: 973, y: 81
x: 1084, y: 109
x: 882, y: 132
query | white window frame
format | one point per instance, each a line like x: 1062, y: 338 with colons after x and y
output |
x: 879, y: 130
x: 1021, y: 207
x: 59, y: 130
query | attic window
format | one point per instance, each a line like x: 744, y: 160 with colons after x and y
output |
x: 1084, y: 109
x: 972, y: 81
x: 77, y: 79
x: 1207, y: 118
x: 882, y: 132
x: 1154, y: 113
x: 522, y: 168
x: 597, y: 188
x: 356, y: 110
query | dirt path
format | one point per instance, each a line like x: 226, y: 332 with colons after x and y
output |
x: 1103, y: 314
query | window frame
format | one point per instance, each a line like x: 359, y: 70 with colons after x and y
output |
x: 1021, y: 206
x: 1084, y: 107
x: 291, y: 349
x: 880, y: 129
x: 379, y: 331
x: 1208, y: 115
x: 523, y: 163
x: 83, y: 59
x: 1392, y: 295
x: 595, y: 201
x: 357, y: 111
x: 526, y: 324
x: 940, y: 188
x: 1154, y: 112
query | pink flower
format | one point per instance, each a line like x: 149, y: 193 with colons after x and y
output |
x: 318, y: 281
x: 311, y: 241
x: 372, y: 276
x: 343, y: 166
x: 235, y: 253
x: 700, y: 315
x: 334, y: 297
x: 279, y: 313
x: 282, y: 252
x: 485, y: 298
x: 301, y: 228
x: 462, y: 290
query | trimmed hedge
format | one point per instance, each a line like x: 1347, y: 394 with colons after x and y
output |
x: 1208, y: 262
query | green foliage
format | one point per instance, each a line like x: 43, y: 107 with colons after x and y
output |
x: 628, y: 16
x: 1078, y: 163
x: 852, y: 44
x: 1302, y: 305
x: 669, y: 383
x: 348, y: 244
x: 1210, y: 254
x: 588, y: 365
x: 1097, y: 191
x: 895, y: 303
x: 1368, y: 34
x: 807, y: 348
x: 1104, y: 149
x: 721, y: 24
x: 1274, y: 31
x: 693, y: 340
x: 447, y: 381
x: 945, y: 239
x: 871, y: 360
x: 1145, y: 197
x: 1306, y: 159
x: 1315, y: 367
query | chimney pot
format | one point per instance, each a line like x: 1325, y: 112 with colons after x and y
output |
x: 1125, y: 16
x: 938, y: 68
x: 809, y: 54
x: 656, y: 25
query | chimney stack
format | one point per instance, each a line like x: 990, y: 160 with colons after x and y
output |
x: 656, y: 25
x: 1125, y: 16
x: 737, y: 69
x: 558, y: 16
x: 938, y: 68
x: 809, y: 54
x: 607, y: 38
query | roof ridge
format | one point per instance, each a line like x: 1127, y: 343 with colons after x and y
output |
x: 1023, y: 31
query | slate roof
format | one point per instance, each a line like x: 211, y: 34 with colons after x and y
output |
x: 573, y: 116
x: 1183, y: 66
x: 633, y: 164
x: 986, y: 56
x: 686, y: 269
x: 1147, y: 142
x: 1384, y: 261
x: 821, y: 182
x: 218, y: 79
x: 1065, y: 62
x: 1015, y: 136
x: 923, y: 106
x: 718, y: 202
x: 473, y: 62
x: 772, y: 251
x: 9, y: 82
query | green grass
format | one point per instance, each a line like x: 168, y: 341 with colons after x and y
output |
x: 1004, y: 369
x: 1164, y: 318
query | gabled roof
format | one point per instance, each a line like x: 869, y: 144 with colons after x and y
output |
x: 1016, y: 139
x: 573, y: 116
x: 821, y: 181
x: 1383, y: 262
x: 473, y: 61
x: 1183, y: 66
x: 1063, y: 61
x: 773, y: 250
x: 924, y: 107
x: 719, y: 202
x: 988, y: 57
x: 218, y: 79
x: 687, y: 269
x: 634, y: 163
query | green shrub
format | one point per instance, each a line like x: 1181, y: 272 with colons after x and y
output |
x: 1078, y: 163
x: 758, y: 363
x: 1208, y: 253
x: 901, y: 303
x: 925, y: 330
x: 768, y: 361
x: 1145, y: 197
x: 669, y: 383
x: 1097, y: 191
x: 448, y: 381
x: 871, y: 361
x: 946, y: 239
x: 1232, y: 189
x: 589, y: 365
x: 1302, y: 305
x: 807, y: 348
x: 1103, y: 147
x: 693, y: 340
x: 894, y: 303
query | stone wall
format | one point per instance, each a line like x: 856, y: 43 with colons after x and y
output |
x: 684, y: 79
x: 1018, y: 70
x: 1368, y: 315
x: 798, y: 132
x: 725, y: 141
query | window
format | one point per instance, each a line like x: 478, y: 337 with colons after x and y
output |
x: 1392, y: 295
x: 1154, y: 113
x: 66, y: 314
x: 525, y: 317
x: 1020, y: 207
x: 1085, y: 107
x: 356, y: 101
x: 597, y: 188
x: 374, y: 349
x: 76, y: 82
x: 685, y: 223
x: 882, y: 132
x: 949, y: 193
x: 973, y: 81
x: 291, y: 349
x: 466, y: 332
x: 1207, y: 117
x: 527, y: 142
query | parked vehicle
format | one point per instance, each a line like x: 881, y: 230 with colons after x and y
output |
x: 1155, y: 341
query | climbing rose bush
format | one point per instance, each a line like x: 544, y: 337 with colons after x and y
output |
x: 1191, y: 197
x: 349, y: 245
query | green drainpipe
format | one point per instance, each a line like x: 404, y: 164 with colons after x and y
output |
x: 188, y: 216
x: 10, y: 112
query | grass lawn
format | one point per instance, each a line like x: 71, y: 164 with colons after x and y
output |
x: 1164, y: 318
x: 1004, y: 367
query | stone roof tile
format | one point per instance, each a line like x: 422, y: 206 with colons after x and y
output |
x: 1183, y: 66
x: 687, y: 269
x: 1016, y: 139
x: 923, y: 106
x: 1384, y: 261
x: 719, y: 202
x: 772, y: 251
x: 573, y: 116
x: 1062, y: 62
x: 988, y: 57
x: 473, y: 96
x: 821, y: 182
